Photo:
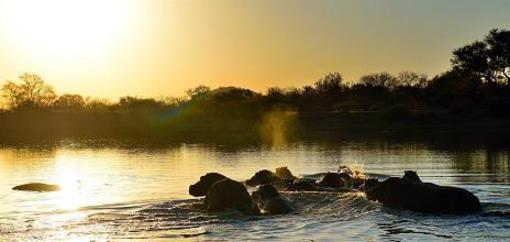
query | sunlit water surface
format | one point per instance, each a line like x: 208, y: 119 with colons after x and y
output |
x: 117, y: 192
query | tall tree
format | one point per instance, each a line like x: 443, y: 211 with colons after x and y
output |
x: 330, y: 85
x: 30, y: 92
x: 489, y: 59
x: 498, y: 45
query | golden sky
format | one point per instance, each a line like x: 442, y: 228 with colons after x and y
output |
x: 111, y: 48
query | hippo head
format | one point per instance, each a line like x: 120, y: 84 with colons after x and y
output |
x: 261, y: 178
x: 284, y: 173
x: 411, y: 176
x: 344, y: 169
x: 202, y: 186
x: 264, y: 192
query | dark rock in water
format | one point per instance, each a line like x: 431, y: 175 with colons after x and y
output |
x: 37, y: 187
x: 223, y: 193
x: 410, y: 193
x: 269, y: 200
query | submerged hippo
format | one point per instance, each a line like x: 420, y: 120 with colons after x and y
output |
x: 37, y: 187
x: 264, y: 177
x: 282, y: 179
x: 302, y: 185
x: 411, y: 193
x: 334, y: 180
x: 222, y: 193
x: 269, y: 200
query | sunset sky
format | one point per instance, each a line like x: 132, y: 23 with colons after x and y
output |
x: 111, y: 48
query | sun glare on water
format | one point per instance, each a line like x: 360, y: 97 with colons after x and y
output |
x: 75, y: 184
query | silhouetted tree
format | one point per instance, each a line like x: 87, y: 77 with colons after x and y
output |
x: 229, y: 94
x: 173, y: 101
x: 329, y: 85
x: 98, y: 105
x: 31, y: 92
x: 69, y: 102
x: 197, y: 92
x: 412, y: 79
x: 452, y: 87
x: 382, y: 79
x: 473, y: 59
x: 488, y: 59
x: 275, y: 93
x: 498, y: 44
x: 139, y: 104
x: 308, y: 91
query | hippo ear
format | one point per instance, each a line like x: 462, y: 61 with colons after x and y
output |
x: 411, y: 176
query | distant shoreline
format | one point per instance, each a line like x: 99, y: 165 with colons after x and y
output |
x: 265, y: 128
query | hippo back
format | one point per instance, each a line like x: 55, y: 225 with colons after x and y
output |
x: 459, y: 200
x: 37, y: 187
x: 226, y: 194
x: 423, y: 197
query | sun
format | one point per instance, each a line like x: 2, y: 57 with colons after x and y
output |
x: 64, y: 28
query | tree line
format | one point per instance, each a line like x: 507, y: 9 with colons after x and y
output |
x: 478, y: 81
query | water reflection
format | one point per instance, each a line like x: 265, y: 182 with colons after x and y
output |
x: 110, y: 188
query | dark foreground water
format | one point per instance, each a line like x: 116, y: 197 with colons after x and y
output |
x: 115, y: 192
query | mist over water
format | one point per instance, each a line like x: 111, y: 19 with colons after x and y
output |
x: 277, y: 127
x: 117, y: 191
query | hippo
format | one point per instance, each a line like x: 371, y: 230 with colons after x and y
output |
x: 302, y: 185
x: 411, y: 193
x: 334, y: 180
x: 37, y: 187
x: 284, y: 173
x: 269, y: 200
x: 264, y: 177
x: 222, y: 193
x: 201, y: 188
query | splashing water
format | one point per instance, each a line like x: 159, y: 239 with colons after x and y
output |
x: 356, y: 170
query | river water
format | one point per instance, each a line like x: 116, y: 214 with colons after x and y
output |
x: 116, y: 192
